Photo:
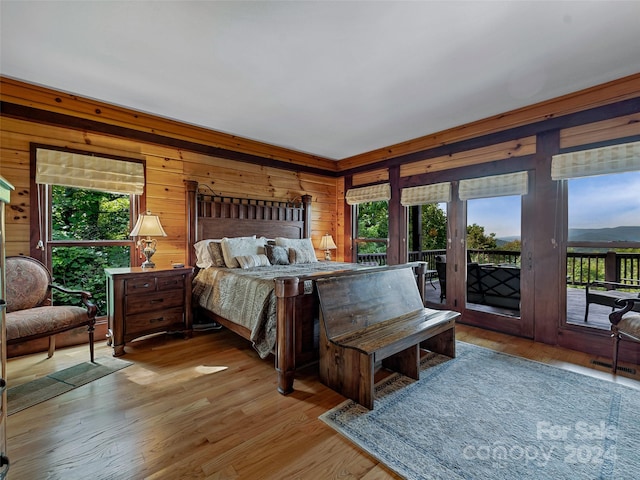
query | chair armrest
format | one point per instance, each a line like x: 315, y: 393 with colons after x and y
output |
x: 614, y: 285
x: 92, y: 309
x: 628, y: 304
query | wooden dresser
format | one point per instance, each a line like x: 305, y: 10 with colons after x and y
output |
x: 145, y: 301
x: 5, y: 190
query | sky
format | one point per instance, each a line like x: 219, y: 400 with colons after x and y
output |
x: 594, y: 202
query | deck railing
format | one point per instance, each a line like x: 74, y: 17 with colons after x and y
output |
x: 582, y: 268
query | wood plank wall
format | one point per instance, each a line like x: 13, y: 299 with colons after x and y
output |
x: 283, y: 174
x: 168, y: 166
x: 166, y: 170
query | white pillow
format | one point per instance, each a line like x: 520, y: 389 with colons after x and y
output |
x: 304, y: 245
x: 237, y: 246
x: 203, y: 257
x: 250, y: 261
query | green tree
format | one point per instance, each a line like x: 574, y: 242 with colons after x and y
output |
x: 478, y: 240
x: 79, y: 214
x: 434, y: 227
x: 513, y: 246
x: 373, y: 222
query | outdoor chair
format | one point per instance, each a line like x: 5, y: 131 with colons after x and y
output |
x: 625, y: 324
x: 608, y: 293
x: 30, y: 313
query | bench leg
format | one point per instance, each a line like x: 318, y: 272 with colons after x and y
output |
x: 348, y: 372
x: 406, y: 362
x: 443, y: 343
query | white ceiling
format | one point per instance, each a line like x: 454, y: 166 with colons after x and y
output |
x: 334, y: 79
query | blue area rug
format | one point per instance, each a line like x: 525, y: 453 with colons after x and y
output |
x: 488, y: 415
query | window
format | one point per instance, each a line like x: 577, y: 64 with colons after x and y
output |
x: 89, y: 232
x: 494, y: 211
x: 427, y: 230
x: 371, y: 236
x: 372, y: 232
x: 603, y: 240
x: 85, y: 206
x: 494, y: 254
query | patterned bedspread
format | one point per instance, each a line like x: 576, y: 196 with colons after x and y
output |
x: 247, y: 298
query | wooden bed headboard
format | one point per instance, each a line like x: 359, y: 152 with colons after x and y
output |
x: 213, y: 216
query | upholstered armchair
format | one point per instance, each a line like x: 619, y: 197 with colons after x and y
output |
x: 625, y: 324
x: 30, y: 314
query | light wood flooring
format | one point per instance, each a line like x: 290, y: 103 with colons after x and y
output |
x: 206, y: 407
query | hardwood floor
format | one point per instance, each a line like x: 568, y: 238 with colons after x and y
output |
x: 205, y: 407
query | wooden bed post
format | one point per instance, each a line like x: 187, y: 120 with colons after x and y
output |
x: 306, y: 202
x: 286, y: 290
x: 191, y: 205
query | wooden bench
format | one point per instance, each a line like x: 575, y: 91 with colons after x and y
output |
x: 376, y: 316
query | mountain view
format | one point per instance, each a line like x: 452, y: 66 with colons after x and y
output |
x: 615, y: 234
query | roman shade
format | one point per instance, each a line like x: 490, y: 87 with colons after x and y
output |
x: 424, y: 194
x: 494, y: 186
x: 597, y: 161
x: 54, y: 167
x: 372, y: 193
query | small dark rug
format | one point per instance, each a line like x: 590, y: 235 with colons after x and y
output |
x: 37, y: 391
x: 488, y: 415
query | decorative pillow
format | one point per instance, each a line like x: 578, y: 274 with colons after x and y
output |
x: 261, y: 242
x: 250, y: 261
x: 298, y: 255
x: 215, y: 252
x: 302, y: 244
x: 237, y: 246
x: 277, y: 255
x: 203, y: 257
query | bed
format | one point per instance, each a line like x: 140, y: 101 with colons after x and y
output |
x: 284, y: 294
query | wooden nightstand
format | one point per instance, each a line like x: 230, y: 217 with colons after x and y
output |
x: 145, y: 301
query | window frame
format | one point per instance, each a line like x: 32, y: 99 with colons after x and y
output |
x: 359, y: 240
x: 41, y: 198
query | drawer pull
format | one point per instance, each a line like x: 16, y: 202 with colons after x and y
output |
x: 144, y: 285
x: 155, y: 320
x: 156, y: 300
x: 3, y: 384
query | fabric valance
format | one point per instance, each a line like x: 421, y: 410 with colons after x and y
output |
x: 54, y: 167
x: 372, y: 193
x: 494, y: 186
x: 424, y: 194
x: 597, y: 161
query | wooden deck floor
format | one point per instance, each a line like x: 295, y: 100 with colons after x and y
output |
x: 576, y: 303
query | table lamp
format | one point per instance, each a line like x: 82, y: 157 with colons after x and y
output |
x: 148, y: 226
x: 327, y: 244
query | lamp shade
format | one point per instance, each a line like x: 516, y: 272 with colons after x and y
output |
x: 327, y: 243
x: 148, y: 226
